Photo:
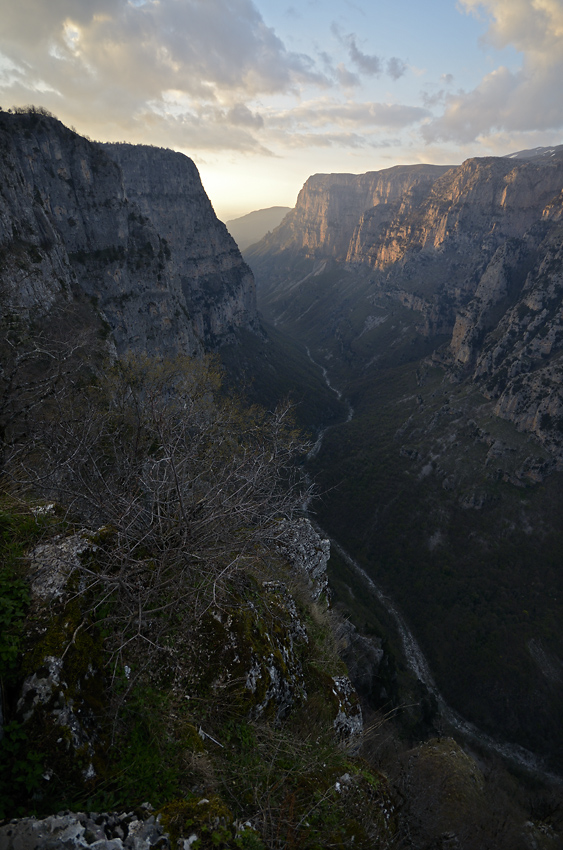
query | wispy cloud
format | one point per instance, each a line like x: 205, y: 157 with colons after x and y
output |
x: 506, y: 100
x: 396, y: 68
x: 326, y: 113
x: 368, y: 64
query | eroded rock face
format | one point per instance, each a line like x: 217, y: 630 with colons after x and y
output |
x: 329, y: 207
x: 138, y: 830
x: 129, y: 227
x: 365, y: 661
x: 202, y: 259
x: 254, y: 647
x: 308, y: 553
x: 63, y: 690
x: 476, y: 207
x: 474, y: 252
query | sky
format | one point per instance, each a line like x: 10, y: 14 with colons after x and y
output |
x: 263, y: 93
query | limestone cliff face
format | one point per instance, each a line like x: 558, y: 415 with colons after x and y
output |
x: 520, y: 360
x: 330, y: 206
x: 203, y: 261
x: 474, y: 252
x: 475, y: 207
x: 128, y: 226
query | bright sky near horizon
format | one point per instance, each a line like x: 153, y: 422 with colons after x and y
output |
x: 263, y: 93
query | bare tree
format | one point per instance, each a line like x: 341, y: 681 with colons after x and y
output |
x: 187, y: 484
x: 39, y: 360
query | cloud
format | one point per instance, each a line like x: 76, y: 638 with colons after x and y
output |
x: 327, y: 140
x: 361, y: 116
x: 343, y: 140
x: 506, y: 100
x: 291, y: 12
x: 109, y: 62
x: 396, y: 68
x: 210, y: 129
x: 241, y: 116
x: 346, y: 78
x: 366, y: 63
x: 209, y: 46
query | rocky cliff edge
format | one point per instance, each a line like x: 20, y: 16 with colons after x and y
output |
x: 128, y: 227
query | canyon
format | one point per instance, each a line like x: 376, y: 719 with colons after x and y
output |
x: 473, y: 253
x: 435, y: 310
x: 414, y: 316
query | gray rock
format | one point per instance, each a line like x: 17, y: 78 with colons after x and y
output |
x: 307, y: 552
x: 68, y: 830
x: 130, y: 227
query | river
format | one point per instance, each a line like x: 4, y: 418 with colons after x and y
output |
x: 414, y: 657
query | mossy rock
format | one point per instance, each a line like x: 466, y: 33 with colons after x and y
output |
x: 444, y: 789
x: 204, y: 821
x: 57, y: 708
x: 248, y: 655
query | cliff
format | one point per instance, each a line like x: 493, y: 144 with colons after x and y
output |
x: 129, y: 227
x: 473, y: 252
x: 329, y: 206
x: 469, y: 210
x: 203, y: 262
x: 439, y: 317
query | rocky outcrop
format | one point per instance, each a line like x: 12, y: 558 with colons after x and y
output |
x: 252, y: 649
x: 128, y: 227
x: 329, y: 207
x: 62, y: 697
x: 138, y: 830
x: 308, y: 553
x: 474, y: 253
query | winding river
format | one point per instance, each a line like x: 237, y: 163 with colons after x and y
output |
x: 412, y: 652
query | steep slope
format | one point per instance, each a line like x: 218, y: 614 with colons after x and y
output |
x: 470, y: 209
x: 203, y: 262
x: 438, y: 315
x: 461, y: 254
x: 128, y: 226
x: 328, y: 209
x: 126, y: 236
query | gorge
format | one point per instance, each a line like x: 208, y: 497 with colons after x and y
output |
x: 439, y: 313
x: 164, y: 599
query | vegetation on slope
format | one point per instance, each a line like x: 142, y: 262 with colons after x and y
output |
x: 152, y: 648
x: 439, y: 499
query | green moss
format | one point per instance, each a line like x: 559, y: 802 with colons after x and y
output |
x: 20, y: 528
x: 208, y: 818
x: 65, y: 630
x: 253, y: 633
x: 14, y: 599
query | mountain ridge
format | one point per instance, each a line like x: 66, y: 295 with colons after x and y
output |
x: 250, y: 228
x: 71, y: 220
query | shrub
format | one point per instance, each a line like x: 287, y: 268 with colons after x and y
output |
x: 187, y: 483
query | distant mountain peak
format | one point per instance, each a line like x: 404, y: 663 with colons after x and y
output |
x: 253, y: 226
x: 537, y: 154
